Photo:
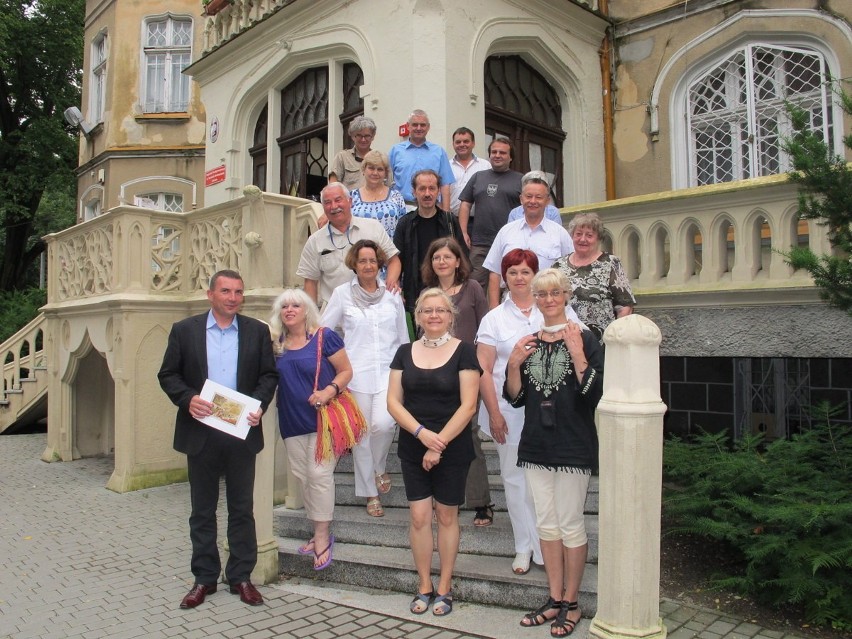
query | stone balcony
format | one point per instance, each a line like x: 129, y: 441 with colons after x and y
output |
x: 241, y: 15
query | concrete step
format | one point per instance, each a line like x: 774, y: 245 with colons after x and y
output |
x: 489, y: 451
x: 477, y: 578
x: 345, y: 492
x: 352, y: 524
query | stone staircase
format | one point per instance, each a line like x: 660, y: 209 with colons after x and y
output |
x: 23, y: 397
x: 373, y: 552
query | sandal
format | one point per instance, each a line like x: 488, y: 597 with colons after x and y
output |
x: 374, y: 507
x: 521, y: 564
x: 328, y: 549
x: 563, y: 626
x: 383, y: 483
x: 307, y: 548
x: 421, y: 602
x: 484, y: 516
x: 443, y: 605
x: 537, y: 618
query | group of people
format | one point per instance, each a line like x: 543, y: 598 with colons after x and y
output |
x: 441, y: 322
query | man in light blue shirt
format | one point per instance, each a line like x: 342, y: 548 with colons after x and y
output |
x: 417, y: 154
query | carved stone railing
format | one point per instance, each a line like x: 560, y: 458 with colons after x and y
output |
x: 139, y: 251
x: 23, y: 361
x: 710, y: 240
x: 236, y: 18
x: 241, y: 15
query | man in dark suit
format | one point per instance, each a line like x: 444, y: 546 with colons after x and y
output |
x: 235, y: 351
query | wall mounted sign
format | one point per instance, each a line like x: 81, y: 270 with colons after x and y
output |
x: 214, y: 129
x: 214, y: 176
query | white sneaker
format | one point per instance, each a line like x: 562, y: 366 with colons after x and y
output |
x: 521, y: 564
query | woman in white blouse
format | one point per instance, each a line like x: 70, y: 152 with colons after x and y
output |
x: 500, y: 330
x: 373, y: 324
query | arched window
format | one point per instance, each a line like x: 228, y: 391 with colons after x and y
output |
x: 736, y: 116
x: 520, y: 104
x: 353, y: 103
x: 304, y: 127
x: 258, y: 150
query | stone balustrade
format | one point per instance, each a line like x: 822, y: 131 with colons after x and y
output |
x: 130, y: 250
x: 240, y: 15
x: 711, y: 240
x: 22, y: 353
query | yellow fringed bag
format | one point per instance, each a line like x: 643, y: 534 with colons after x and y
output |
x: 340, y: 423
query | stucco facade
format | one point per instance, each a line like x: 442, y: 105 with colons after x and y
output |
x: 413, y: 54
x: 148, y: 122
x: 658, y: 52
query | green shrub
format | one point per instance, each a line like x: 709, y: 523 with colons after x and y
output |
x: 784, y: 507
x: 17, y: 308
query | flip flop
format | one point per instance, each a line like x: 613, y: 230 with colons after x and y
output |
x: 304, y: 550
x: 329, y: 549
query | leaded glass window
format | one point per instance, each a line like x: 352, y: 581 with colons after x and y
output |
x: 736, y: 113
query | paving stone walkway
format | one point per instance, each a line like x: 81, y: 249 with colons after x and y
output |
x: 81, y: 561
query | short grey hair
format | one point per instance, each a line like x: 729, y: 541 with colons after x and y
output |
x: 535, y: 177
x: 293, y: 296
x: 417, y: 113
x: 589, y: 220
x: 361, y: 123
x: 335, y: 185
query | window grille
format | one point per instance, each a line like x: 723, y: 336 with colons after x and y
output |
x: 736, y: 113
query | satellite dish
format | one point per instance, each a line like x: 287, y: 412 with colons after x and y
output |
x: 75, y: 118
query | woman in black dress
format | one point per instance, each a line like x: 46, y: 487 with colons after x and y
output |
x: 432, y: 393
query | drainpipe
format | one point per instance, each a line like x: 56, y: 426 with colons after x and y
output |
x: 605, y: 54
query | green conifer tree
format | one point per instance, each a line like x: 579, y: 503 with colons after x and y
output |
x: 825, y: 194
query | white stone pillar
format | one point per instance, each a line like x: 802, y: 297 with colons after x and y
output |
x: 266, y: 570
x: 630, y: 430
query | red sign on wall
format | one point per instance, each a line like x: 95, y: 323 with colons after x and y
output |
x: 214, y: 176
x: 403, y: 130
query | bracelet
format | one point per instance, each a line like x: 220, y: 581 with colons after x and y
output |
x: 417, y: 431
x: 336, y: 388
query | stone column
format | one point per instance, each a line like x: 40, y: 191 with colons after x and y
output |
x: 266, y: 570
x: 630, y: 429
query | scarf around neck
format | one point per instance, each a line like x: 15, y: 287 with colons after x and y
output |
x: 363, y: 298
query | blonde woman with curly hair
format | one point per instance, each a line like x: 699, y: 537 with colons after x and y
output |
x: 295, y: 330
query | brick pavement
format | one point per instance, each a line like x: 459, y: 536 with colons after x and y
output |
x: 82, y: 561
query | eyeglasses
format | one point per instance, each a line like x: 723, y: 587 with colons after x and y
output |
x: 543, y: 295
x: 433, y: 311
x: 444, y: 258
x: 363, y: 136
x: 366, y: 261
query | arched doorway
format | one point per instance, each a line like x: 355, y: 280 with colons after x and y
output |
x: 258, y: 150
x: 520, y: 104
x: 304, y: 127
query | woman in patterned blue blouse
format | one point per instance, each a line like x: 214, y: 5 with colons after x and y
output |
x: 376, y: 199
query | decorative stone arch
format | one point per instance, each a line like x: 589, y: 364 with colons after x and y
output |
x: 688, y: 249
x: 131, y: 188
x: 630, y: 251
x: 763, y: 237
x: 570, y: 74
x: 720, y: 258
x: 701, y: 53
x: 278, y: 63
x: 90, y: 390
x: 93, y: 193
x: 659, y: 247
